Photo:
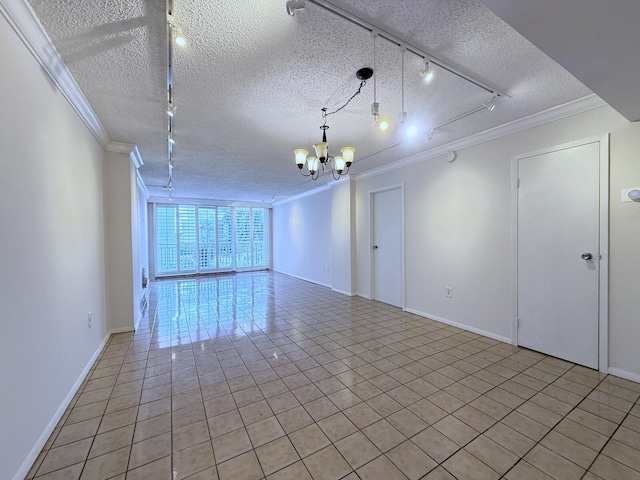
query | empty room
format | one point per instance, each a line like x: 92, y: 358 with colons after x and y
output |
x: 320, y: 240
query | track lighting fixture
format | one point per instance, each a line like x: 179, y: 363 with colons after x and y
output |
x: 294, y: 6
x: 430, y: 134
x: 176, y: 32
x: 171, y: 110
x: 491, y: 106
x: 172, y: 140
x: 427, y: 72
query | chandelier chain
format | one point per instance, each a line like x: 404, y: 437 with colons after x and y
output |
x: 324, y: 112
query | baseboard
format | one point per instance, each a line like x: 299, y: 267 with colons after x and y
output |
x: 302, y: 278
x: 358, y: 294
x: 120, y: 330
x: 468, y: 328
x: 37, y: 448
x: 343, y: 292
x: 634, y: 377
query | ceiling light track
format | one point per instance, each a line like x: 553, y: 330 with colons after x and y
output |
x: 396, y: 39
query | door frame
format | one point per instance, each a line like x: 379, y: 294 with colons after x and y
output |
x: 399, y: 187
x: 603, y: 272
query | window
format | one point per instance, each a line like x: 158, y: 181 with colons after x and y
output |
x: 192, y: 239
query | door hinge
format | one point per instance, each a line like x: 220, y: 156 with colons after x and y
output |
x: 517, y: 322
x: 517, y: 183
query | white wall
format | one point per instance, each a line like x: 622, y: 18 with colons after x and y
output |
x: 119, y: 205
x: 457, y: 230
x: 342, y: 241
x: 302, y: 238
x: 140, y: 244
x: 51, y: 252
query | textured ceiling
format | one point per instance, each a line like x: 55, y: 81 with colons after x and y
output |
x: 250, y: 84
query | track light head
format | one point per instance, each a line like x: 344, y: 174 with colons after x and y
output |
x: 294, y: 6
x: 171, y: 110
x: 427, y: 72
x: 430, y: 134
x: 491, y: 106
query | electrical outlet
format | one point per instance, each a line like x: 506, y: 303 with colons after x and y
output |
x: 90, y: 319
x: 448, y: 292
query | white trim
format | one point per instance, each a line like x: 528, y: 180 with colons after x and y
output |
x: 303, y: 278
x: 603, y: 283
x: 603, y: 241
x: 402, y: 240
x: 117, y: 147
x: 37, y: 448
x: 463, y: 326
x: 634, y: 377
x: 363, y: 295
x: 25, y: 23
x: 568, y: 109
x: 136, y: 158
x: 141, y: 185
x: 343, y: 292
x: 113, y: 331
x: 313, y: 191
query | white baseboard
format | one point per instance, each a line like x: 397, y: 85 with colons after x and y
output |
x: 37, y: 448
x: 343, y: 292
x: 634, y: 377
x: 120, y: 330
x: 468, y: 328
x: 358, y: 294
x: 302, y: 278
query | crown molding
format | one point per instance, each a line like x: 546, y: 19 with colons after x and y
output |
x: 308, y: 193
x: 568, y: 109
x: 135, y: 156
x: 25, y: 23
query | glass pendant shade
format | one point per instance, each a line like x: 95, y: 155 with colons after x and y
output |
x: 312, y: 165
x: 301, y: 157
x: 347, y: 154
x: 339, y: 164
x: 321, y: 151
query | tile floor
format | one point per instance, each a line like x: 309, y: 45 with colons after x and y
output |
x: 260, y: 375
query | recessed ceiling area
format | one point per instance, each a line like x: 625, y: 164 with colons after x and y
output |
x: 250, y: 84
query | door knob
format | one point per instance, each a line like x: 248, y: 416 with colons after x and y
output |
x: 375, y: 247
x: 586, y: 256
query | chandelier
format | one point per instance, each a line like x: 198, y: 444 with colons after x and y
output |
x: 324, y: 162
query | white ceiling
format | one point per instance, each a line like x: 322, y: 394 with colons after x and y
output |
x: 250, y: 84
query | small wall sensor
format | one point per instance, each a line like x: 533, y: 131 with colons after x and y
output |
x: 451, y: 156
x: 634, y: 194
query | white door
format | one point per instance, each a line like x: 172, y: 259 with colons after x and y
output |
x: 558, y: 225
x: 387, y: 248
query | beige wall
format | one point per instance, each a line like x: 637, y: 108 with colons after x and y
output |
x: 66, y: 249
x: 51, y: 252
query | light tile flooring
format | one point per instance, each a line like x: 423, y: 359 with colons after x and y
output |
x: 260, y: 375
